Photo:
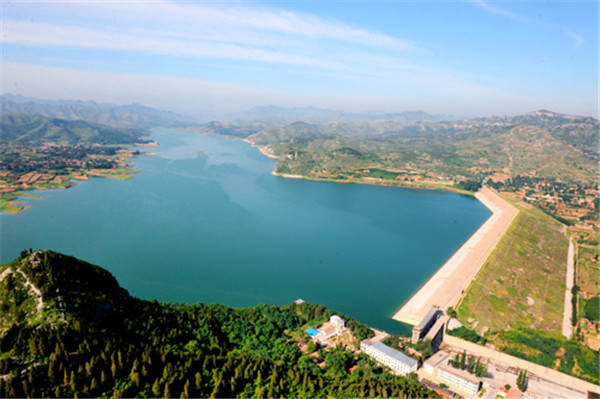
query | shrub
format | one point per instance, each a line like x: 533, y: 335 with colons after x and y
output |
x: 592, y: 309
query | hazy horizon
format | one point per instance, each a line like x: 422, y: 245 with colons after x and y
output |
x: 213, y: 116
x: 471, y: 59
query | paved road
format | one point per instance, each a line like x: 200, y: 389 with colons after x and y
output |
x: 567, y: 327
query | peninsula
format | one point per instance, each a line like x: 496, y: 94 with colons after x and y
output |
x: 38, y: 152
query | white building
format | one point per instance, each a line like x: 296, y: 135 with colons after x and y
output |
x: 459, y: 379
x: 431, y: 365
x: 389, y: 357
x: 336, y: 326
x: 337, y: 322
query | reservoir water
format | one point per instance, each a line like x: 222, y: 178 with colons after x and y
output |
x: 219, y: 227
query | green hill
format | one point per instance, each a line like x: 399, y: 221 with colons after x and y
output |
x: 69, y: 330
x: 540, y: 144
x: 38, y: 130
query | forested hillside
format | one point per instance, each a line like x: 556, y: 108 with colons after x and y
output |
x: 68, y: 330
x: 38, y: 130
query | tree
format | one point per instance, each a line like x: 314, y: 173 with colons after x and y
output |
x: 455, y: 361
x: 451, y: 312
x: 480, y: 369
x: 186, y: 390
x: 592, y: 309
x: 463, y: 360
x: 471, y: 364
x: 425, y: 348
x: 522, y: 380
x: 156, y: 388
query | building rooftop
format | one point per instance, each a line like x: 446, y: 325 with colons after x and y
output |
x: 429, y: 316
x: 409, y: 361
x: 437, y: 359
x: 328, y: 329
x: 460, y: 373
x: 513, y: 394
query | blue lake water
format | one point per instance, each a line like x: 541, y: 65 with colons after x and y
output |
x: 220, y: 228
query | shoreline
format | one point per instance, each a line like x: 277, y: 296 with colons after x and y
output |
x: 448, y: 284
x: 366, y: 180
x: 287, y: 176
x: 376, y: 182
x: 262, y: 149
x: 446, y: 287
x: 122, y: 172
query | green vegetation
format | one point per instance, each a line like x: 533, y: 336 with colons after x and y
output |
x: 469, y: 185
x: 522, y: 380
x: 93, y: 339
x: 550, y: 350
x: 37, y: 129
x: 588, y: 268
x: 421, y: 350
x: 469, y: 363
x: 542, y: 145
x: 467, y: 334
x: 592, y: 309
x: 451, y: 312
x: 8, y: 204
x: 522, y: 281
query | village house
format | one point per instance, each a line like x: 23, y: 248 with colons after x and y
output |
x: 335, y: 327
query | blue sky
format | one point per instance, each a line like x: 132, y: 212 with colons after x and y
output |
x: 465, y: 58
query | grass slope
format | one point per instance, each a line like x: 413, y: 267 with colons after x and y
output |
x: 523, y: 281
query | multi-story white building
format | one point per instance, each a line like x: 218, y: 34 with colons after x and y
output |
x: 459, y: 379
x: 389, y: 357
x: 431, y: 365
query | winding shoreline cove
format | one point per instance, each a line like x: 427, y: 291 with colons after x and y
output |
x: 221, y: 228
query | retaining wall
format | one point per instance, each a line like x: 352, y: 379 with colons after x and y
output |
x: 532, y: 368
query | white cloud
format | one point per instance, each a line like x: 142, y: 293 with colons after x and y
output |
x: 297, y: 58
x: 199, y: 30
x: 577, y: 40
x: 43, y: 34
x: 196, y: 18
x: 496, y: 10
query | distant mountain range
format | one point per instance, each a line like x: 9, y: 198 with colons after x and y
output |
x: 39, y: 130
x: 284, y: 116
x: 124, y: 116
x: 271, y: 124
